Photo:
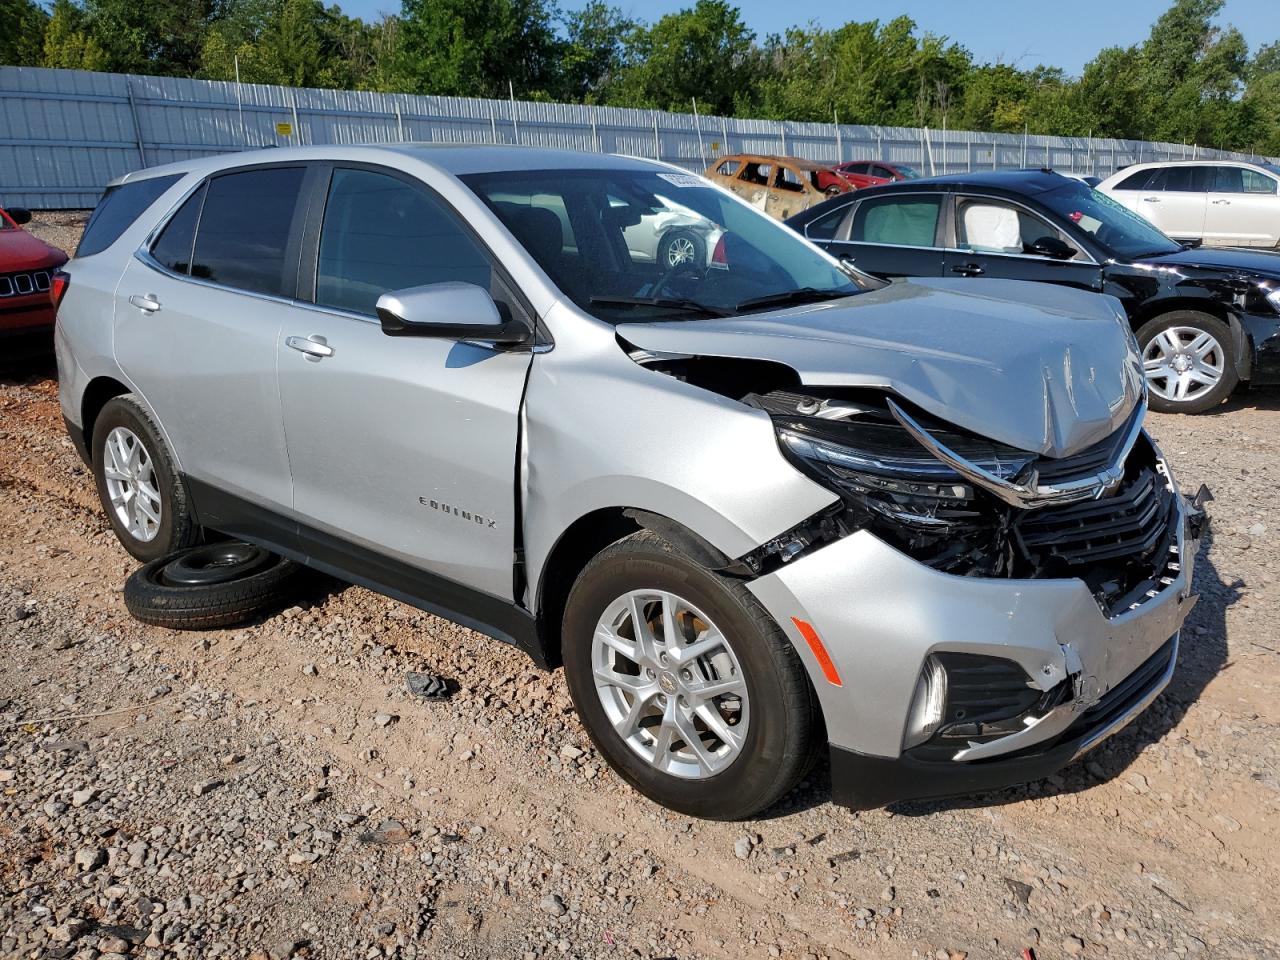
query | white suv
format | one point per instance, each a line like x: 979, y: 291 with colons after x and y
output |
x: 1225, y: 202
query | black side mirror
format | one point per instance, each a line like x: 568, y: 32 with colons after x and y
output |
x: 18, y: 215
x: 1055, y: 248
x: 449, y: 311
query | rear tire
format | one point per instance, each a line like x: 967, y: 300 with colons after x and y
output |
x: 199, y: 590
x: 1198, y: 342
x: 776, y: 704
x: 137, y: 482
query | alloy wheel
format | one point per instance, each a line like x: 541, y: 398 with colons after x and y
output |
x: 132, y: 486
x: 1182, y: 364
x: 670, y: 684
x: 680, y: 250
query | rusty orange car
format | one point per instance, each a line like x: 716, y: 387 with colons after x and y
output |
x: 780, y: 186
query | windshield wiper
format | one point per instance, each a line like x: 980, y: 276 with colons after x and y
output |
x: 667, y: 303
x: 801, y: 295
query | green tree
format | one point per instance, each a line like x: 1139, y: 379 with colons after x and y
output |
x: 22, y: 26
x: 68, y: 42
x: 705, y: 51
x: 474, y: 48
x: 592, y: 54
x: 1262, y: 97
x: 149, y: 36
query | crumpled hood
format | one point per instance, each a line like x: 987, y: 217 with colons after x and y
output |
x: 1039, y: 367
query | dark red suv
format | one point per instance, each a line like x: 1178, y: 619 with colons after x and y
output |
x: 27, y: 265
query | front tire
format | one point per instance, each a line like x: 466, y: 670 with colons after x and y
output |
x: 141, y: 492
x: 685, y: 684
x: 1188, y: 361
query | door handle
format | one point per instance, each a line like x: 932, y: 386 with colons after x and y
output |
x: 147, y: 303
x: 1227, y: 202
x: 969, y: 270
x: 314, y: 347
x: 1150, y: 199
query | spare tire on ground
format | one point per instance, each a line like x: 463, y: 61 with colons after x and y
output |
x: 210, y: 586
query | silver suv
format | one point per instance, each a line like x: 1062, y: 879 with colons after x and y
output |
x: 747, y: 504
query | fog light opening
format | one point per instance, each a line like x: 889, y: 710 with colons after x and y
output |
x: 928, y: 705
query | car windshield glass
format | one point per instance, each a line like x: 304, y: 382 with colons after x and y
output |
x: 5, y: 224
x: 1270, y: 166
x: 638, y: 244
x: 1121, y: 231
x: 907, y: 173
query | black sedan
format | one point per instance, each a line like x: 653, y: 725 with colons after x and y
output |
x: 1206, y: 319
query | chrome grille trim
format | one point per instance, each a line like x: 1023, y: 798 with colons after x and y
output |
x: 1026, y: 491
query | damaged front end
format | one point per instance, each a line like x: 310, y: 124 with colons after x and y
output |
x: 972, y: 507
x: 1056, y: 621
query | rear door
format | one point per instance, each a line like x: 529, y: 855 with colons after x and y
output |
x: 788, y: 195
x: 993, y: 237
x: 1175, y: 200
x: 1243, y: 208
x: 197, y: 320
x: 403, y: 449
x: 893, y: 235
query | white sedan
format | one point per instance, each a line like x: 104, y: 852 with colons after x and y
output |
x: 1222, y: 202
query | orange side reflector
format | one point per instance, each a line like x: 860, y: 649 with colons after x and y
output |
x: 815, y: 644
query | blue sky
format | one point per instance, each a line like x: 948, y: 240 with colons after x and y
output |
x: 1021, y: 32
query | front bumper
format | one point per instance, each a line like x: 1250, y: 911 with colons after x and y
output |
x: 880, y: 615
x: 864, y: 782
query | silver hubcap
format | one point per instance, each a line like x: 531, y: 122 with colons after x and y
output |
x: 670, y: 684
x: 131, y: 484
x: 680, y: 250
x: 1183, y: 363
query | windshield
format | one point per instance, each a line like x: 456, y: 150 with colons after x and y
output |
x: 1122, y: 232
x: 4, y: 222
x: 905, y: 172
x: 643, y: 245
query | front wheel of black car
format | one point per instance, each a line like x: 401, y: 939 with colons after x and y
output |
x: 1188, y: 361
x: 685, y: 683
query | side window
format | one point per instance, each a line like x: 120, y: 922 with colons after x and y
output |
x: 788, y: 179
x: 381, y: 233
x: 1226, y: 180
x: 172, y: 249
x: 882, y: 172
x: 757, y: 173
x: 859, y: 168
x: 1181, y: 179
x: 244, y: 230
x: 119, y: 207
x: 827, y: 226
x: 1137, y: 181
x: 729, y: 168
x: 1255, y: 182
x: 988, y: 226
x: 901, y: 221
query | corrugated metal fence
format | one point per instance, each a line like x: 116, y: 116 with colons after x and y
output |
x: 66, y: 133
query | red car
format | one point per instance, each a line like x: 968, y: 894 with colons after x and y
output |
x: 871, y: 173
x: 27, y: 265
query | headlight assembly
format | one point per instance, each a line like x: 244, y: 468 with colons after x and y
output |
x: 908, y: 486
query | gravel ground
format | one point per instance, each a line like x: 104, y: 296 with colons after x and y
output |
x: 275, y: 791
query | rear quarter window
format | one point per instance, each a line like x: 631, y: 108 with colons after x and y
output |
x: 119, y: 207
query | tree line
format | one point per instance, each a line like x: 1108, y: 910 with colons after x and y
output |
x: 1191, y: 80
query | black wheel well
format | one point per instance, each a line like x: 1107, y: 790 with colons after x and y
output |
x: 96, y: 395
x: 583, y: 539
